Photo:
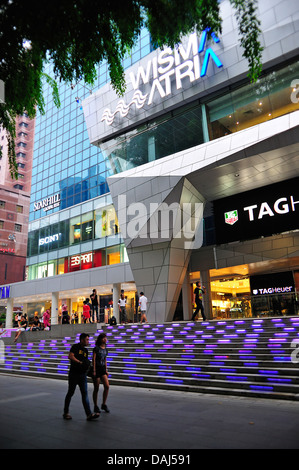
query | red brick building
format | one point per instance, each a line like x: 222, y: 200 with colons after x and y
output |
x: 14, y: 202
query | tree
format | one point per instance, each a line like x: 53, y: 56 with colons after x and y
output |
x: 78, y: 35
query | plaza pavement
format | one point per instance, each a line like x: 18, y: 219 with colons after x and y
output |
x: 153, y: 420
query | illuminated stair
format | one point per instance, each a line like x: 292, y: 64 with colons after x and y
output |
x: 233, y: 357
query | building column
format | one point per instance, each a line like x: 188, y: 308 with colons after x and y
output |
x: 25, y: 310
x: 187, y: 298
x: 205, y: 281
x: 115, y: 298
x: 54, y: 308
x: 9, y: 313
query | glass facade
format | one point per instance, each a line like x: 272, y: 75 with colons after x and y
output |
x: 99, y: 223
x: 252, y: 104
x: 183, y: 128
x: 80, y: 261
x: 64, y: 161
x: 172, y: 133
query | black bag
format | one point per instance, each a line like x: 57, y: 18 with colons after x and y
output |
x: 86, y: 365
x: 90, y: 371
x: 112, y: 321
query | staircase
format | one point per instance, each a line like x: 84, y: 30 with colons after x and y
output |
x: 250, y: 358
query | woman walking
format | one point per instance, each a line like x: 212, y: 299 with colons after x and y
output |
x: 100, y: 373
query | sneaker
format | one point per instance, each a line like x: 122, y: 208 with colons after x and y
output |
x: 105, y: 408
x: 92, y: 416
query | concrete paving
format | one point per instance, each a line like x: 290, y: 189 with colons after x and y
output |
x: 31, y: 418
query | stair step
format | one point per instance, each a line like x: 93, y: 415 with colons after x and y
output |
x: 242, y: 357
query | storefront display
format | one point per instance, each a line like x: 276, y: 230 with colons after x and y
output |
x: 231, y: 298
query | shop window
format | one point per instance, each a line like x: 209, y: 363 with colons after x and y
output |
x: 42, y: 270
x: 106, y: 222
x: 52, y: 265
x: 231, y: 298
x: 99, y: 258
x: 87, y: 226
x: 61, y: 266
x: 75, y: 230
x: 113, y: 255
x: 252, y: 104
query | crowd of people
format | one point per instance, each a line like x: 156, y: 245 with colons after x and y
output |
x: 90, y: 314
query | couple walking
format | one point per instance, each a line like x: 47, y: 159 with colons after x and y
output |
x: 80, y: 367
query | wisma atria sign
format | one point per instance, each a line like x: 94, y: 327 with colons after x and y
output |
x: 166, y: 73
x: 261, y: 212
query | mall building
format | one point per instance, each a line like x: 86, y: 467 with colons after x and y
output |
x: 192, y: 175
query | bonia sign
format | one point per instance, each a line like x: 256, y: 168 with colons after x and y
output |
x: 48, y: 203
x: 261, y: 212
x: 170, y: 70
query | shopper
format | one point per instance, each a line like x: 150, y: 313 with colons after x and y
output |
x: 46, y: 318
x: 22, y: 327
x: 100, y: 372
x: 94, y: 305
x: 36, y: 325
x: 122, y: 309
x: 86, y: 311
x: 198, y: 294
x: 143, y: 307
x: 78, y: 357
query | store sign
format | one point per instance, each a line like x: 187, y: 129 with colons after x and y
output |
x: 231, y: 217
x: 272, y: 290
x: 260, y: 212
x: 7, y: 250
x: 167, y: 73
x: 83, y: 259
x: 50, y: 239
x: 48, y: 203
x: 4, y: 292
x: 274, y: 283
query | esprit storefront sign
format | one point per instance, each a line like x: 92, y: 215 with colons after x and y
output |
x: 86, y: 258
x: 260, y: 212
x: 48, y: 203
x: 169, y: 71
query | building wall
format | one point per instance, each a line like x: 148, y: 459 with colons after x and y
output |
x: 15, y: 197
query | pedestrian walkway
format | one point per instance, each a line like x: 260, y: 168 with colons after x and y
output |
x: 31, y: 418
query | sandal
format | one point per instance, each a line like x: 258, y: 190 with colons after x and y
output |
x: 92, y: 416
x: 67, y: 416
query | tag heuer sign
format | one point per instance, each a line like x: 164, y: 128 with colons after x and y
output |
x: 231, y: 217
x: 260, y: 212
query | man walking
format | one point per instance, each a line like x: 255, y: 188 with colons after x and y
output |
x: 143, y: 306
x: 198, y: 294
x: 78, y: 357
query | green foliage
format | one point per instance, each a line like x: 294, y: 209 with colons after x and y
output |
x: 249, y: 28
x: 76, y: 36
